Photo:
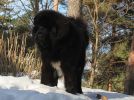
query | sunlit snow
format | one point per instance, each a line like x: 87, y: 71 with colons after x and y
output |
x: 24, y: 88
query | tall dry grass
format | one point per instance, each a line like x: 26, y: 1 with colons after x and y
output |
x: 14, y: 59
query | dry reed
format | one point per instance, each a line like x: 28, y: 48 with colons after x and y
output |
x: 13, y: 56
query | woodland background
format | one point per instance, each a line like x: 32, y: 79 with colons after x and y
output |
x: 110, y: 25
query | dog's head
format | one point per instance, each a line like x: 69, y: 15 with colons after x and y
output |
x: 49, y: 27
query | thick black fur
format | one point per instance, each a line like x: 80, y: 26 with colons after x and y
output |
x: 64, y: 39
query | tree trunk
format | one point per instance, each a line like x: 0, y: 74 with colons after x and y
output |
x: 91, y: 77
x: 94, y: 59
x: 46, y: 4
x: 35, y: 6
x: 109, y: 87
x: 56, y: 3
x: 95, y: 43
x: 129, y: 82
x: 74, y: 8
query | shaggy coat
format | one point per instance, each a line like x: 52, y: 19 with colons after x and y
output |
x: 62, y: 42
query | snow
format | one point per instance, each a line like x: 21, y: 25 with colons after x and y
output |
x: 24, y: 88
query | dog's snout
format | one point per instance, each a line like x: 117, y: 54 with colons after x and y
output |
x: 41, y: 33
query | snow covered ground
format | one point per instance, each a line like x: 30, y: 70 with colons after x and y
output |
x: 23, y: 88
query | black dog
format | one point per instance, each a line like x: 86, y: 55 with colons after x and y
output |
x: 62, y: 42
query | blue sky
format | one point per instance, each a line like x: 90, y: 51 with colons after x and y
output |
x: 20, y: 9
